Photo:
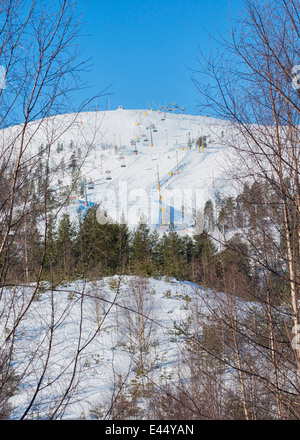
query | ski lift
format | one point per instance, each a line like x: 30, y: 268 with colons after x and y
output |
x: 123, y: 165
x: 154, y: 130
x: 108, y: 175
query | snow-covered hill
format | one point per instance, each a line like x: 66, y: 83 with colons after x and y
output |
x: 84, y: 336
x: 126, y: 155
x: 75, y: 342
x: 140, y: 150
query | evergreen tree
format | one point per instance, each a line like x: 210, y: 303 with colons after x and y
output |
x: 209, y: 216
x: 64, y: 245
x: 236, y: 268
x: 142, y: 249
x: 51, y: 251
x: 103, y: 247
x: 172, y: 254
x: 123, y: 246
x: 205, y: 260
x: 227, y: 214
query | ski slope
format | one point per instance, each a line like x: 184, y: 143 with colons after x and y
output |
x: 139, y: 162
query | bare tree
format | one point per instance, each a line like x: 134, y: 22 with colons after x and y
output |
x: 38, y: 44
x: 251, y: 85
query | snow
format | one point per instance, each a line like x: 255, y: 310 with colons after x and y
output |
x: 85, y: 360
x: 188, y: 175
x: 67, y: 319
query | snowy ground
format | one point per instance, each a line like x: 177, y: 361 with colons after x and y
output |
x: 68, y: 321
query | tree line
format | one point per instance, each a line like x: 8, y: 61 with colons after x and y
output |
x: 86, y: 248
x: 224, y: 250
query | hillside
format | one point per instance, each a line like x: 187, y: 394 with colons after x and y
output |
x: 135, y: 157
x: 104, y: 322
x: 123, y: 154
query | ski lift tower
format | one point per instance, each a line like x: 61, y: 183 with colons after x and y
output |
x: 151, y: 128
x: 134, y: 142
x: 173, y: 105
x: 161, y: 220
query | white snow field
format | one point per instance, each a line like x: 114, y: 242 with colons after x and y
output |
x: 125, y: 153
x: 92, y: 343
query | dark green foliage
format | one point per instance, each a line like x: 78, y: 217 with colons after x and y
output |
x: 236, y: 255
x: 93, y: 249
x: 143, y: 244
x: 172, y: 254
x: 205, y: 260
x: 209, y: 216
x: 102, y: 247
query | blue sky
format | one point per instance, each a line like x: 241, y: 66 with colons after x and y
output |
x: 143, y: 53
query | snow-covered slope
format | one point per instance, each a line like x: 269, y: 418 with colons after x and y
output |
x: 138, y: 157
x: 127, y: 154
x: 85, y: 336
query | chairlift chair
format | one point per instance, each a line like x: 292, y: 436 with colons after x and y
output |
x: 91, y: 185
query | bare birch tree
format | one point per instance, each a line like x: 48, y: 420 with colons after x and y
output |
x: 38, y: 51
x: 252, y: 84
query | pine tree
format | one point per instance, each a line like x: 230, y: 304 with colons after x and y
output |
x: 123, y: 245
x: 172, y: 253
x: 209, y: 216
x: 142, y: 247
x: 205, y: 261
x: 236, y: 268
x: 64, y: 245
x: 102, y: 247
x: 51, y: 251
